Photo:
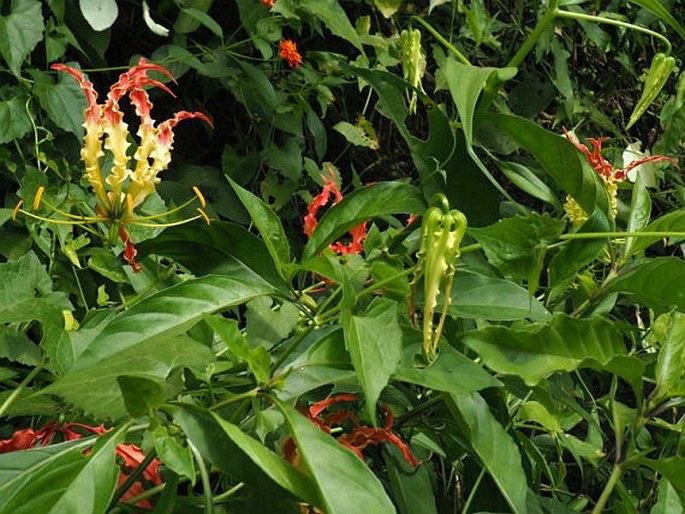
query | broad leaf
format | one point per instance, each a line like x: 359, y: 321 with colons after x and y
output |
x: 374, y: 341
x: 673, y: 221
x: 657, y: 283
x: 669, y: 330
x: 14, y: 120
x: 535, y: 351
x: 482, y: 297
x: 452, y: 372
x: 95, y: 387
x: 221, y: 248
x: 673, y: 469
x: 268, y: 224
x: 343, y: 480
x: 493, y: 446
x: 141, y: 395
x: 412, y: 488
x: 363, y: 204
x: 60, y: 479
x: 63, y: 101
x: 334, y: 17
x: 17, y: 347
x: 20, y: 31
x: 266, y: 475
x: 640, y: 211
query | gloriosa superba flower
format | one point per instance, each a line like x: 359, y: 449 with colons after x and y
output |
x: 123, y: 187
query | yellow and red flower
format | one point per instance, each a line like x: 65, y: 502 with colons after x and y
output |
x: 289, y: 53
x: 129, y: 456
x: 610, y: 175
x: 122, y: 188
x: 358, y: 233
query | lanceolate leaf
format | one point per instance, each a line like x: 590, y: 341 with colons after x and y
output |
x: 363, y: 204
x: 268, y: 224
x: 535, y: 351
x: 375, y: 345
x: 674, y: 221
x: 495, y: 449
x: 334, y: 17
x: 60, y: 479
x: 344, y: 482
x: 657, y: 283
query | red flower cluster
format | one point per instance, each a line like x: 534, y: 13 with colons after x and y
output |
x: 356, y: 439
x: 267, y: 3
x: 130, y: 455
x: 358, y: 233
x: 603, y: 167
x: 289, y: 53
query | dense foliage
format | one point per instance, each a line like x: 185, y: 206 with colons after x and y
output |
x: 399, y: 257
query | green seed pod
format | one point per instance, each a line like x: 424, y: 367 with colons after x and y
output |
x: 662, y: 67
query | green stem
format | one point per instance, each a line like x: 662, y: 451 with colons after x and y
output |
x: 22, y: 385
x: 292, y: 346
x: 474, y: 489
x: 603, y: 235
x: 227, y: 494
x: 121, y: 491
x: 608, y: 489
x: 252, y: 393
x: 617, y: 23
x: 461, y: 57
x: 204, y: 477
x: 533, y: 37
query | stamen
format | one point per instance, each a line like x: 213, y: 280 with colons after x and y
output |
x: 38, y: 198
x: 164, y: 225
x: 16, y: 210
x: 198, y: 193
x: 129, y: 204
x: 204, y: 216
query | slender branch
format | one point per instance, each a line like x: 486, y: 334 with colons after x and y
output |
x: 460, y: 56
x: 533, y: 37
x: 608, y: 489
x: 613, y: 235
x: 22, y: 385
x: 204, y: 477
x: 609, y: 21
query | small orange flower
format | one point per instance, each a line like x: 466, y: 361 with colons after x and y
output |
x: 289, y: 53
x: 267, y: 3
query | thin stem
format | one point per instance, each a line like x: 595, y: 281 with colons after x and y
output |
x: 612, y: 235
x: 22, y: 385
x: 609, y: 21
x: 121, y: 491
x: 252, y: 393
x: 204, y: 477
x: 461, y: 57
x: 472, y: 494
x: 532, y: 39
x: 608, y: 489
x: 292, y: 346
x: 227, y: 494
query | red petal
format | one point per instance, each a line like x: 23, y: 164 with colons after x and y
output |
x: 20, y: 440
x: 319, y: 407
x: 130, y: 251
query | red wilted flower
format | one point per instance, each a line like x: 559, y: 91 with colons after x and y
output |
x: 267, y: 3
x: 289, y: 53
x: 358, y: 437
x: 358, y: 233
x: 130, y: 455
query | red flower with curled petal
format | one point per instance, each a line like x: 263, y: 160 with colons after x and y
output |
x: 358, y: 233
x: 289, y: 53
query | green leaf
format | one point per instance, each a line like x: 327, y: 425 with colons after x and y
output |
x: 412, y: 488
x: 388, y: 7
x: 280, y: 471
x: 334, y: 17
x: 640, y: 211
x: 141, y: 395
x: 528, y: 182
x: 20, y: 31
x: 668, y: 502
x: 107, y: 264
x: 221, y: 248
x: 515, y: 245
x: 100, y: 14
x: 562, y: 161
x: 17, y: 347
x: 662, y: 12
x: 269, y: 324
x: 240, y: 456
x: 673, y: 469
x: 64, y: 101
x: 361, y: 205
x: 493, y: 446
x: 669, y: 330
x: 658, y: 283
x: 256, y: 358
x: 357, y: 135
x: 375, y: 345
x: 661, y: 68
x: 14, y: 120
x: 268, y: 224
x: 26, y: 293
x: 343, y: 480
x: 452, y: 372
x: 535, y: 351
x: 60, y: 479
x: 205, y: 19
x: 466, y: 83
x: 673, y: 221
x: 482, y: 297
x: 173, y: 454
x: 94, y: 387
